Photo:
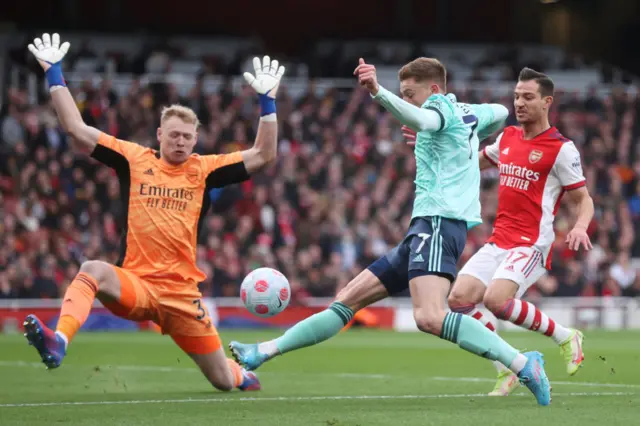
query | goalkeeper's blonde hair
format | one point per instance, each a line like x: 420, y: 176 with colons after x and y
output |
x: 184, y: 113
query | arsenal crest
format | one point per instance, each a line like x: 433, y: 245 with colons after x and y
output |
x: 193, y: 174
x: 535, y: 156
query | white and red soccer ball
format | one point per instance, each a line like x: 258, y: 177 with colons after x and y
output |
x: 265, y: 292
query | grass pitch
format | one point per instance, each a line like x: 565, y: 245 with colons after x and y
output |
x: 358, y: 378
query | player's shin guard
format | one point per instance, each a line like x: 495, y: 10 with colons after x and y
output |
x: 472, y: 336
x: 311, y: 331
x: 76, y: 305
x: 526, y: 315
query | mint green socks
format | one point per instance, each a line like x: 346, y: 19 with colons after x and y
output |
x: 471, y: 335
x: 468, y: 333
x: 313, y: 330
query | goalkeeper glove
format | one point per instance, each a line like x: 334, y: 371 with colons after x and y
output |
x: 49, y: 54
x: 265, y: 83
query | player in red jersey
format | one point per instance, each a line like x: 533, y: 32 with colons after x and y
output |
x: 537, y: 167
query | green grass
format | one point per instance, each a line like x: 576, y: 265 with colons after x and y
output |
x: 143, y: 379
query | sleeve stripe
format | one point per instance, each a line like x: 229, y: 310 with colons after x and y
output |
x: 484, y: 152
x: 575, y: 185
x: 440, y: 114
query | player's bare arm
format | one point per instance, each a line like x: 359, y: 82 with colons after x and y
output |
x: 578, y: 235
x: 265, y: 147
x: 49, y: 53
x: 488, y: 157
x: 413, y: 117
x: 484, y: 162
x: 265, y: 82
x: 409, y: 135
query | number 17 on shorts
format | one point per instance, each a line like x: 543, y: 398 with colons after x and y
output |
x: 522, y: 265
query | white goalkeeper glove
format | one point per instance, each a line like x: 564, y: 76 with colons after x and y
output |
x: 267, y: 78
x: 48, y: 50
x: 49, y: 54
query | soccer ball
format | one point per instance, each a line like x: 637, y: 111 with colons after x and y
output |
x: 265, y: 292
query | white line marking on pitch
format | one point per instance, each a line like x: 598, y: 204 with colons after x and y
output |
x: 553, y: 382
x: 294, y: 398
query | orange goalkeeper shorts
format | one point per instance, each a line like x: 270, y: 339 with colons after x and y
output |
x: 178, y: 310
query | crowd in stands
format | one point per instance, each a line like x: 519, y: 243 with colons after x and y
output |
x: 339, y: 196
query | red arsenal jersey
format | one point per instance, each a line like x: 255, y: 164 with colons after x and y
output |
x: 534, y: 174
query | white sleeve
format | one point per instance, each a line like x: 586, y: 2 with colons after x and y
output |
x: 568, y: 167
x: 492, y: 152
x: 418, y: 119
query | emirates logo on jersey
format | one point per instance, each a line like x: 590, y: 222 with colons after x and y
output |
x: 511, y: 169
x: 517, y: 177
x: 535, y: 156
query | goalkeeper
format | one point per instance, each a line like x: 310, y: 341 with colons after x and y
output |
x: 165, y: 192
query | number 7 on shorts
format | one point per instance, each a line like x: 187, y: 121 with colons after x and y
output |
x: 424, y: 237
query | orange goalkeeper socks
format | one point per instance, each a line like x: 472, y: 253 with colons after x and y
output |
x: 366, y: 317
x: 77, y: 304
x: 236, y: 370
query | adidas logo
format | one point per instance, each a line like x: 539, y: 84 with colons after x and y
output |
x: 505, y: 151
x: 510, y: 268
x: 418, y: 258
x: 149, y: 172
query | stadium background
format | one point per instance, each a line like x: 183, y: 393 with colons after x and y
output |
x: 340, y: 194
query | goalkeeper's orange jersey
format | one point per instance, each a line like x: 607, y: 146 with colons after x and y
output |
x: 165, y: 205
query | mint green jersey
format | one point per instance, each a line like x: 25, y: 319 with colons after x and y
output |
x: 448, y: 175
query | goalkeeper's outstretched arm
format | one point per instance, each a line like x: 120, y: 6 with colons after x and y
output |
x: 49, y: 54
x: 265, y: 147
x: 83, y: 138
x: 265, y: 83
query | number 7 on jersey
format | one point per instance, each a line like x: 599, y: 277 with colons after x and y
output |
x: 468, y: 119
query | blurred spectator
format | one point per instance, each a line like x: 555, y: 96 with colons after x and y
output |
x: 339, y: 197
x: 623, y: 277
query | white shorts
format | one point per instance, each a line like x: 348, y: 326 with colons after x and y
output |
x: 522, y: 265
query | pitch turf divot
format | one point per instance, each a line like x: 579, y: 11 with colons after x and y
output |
x: 295, y: 398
